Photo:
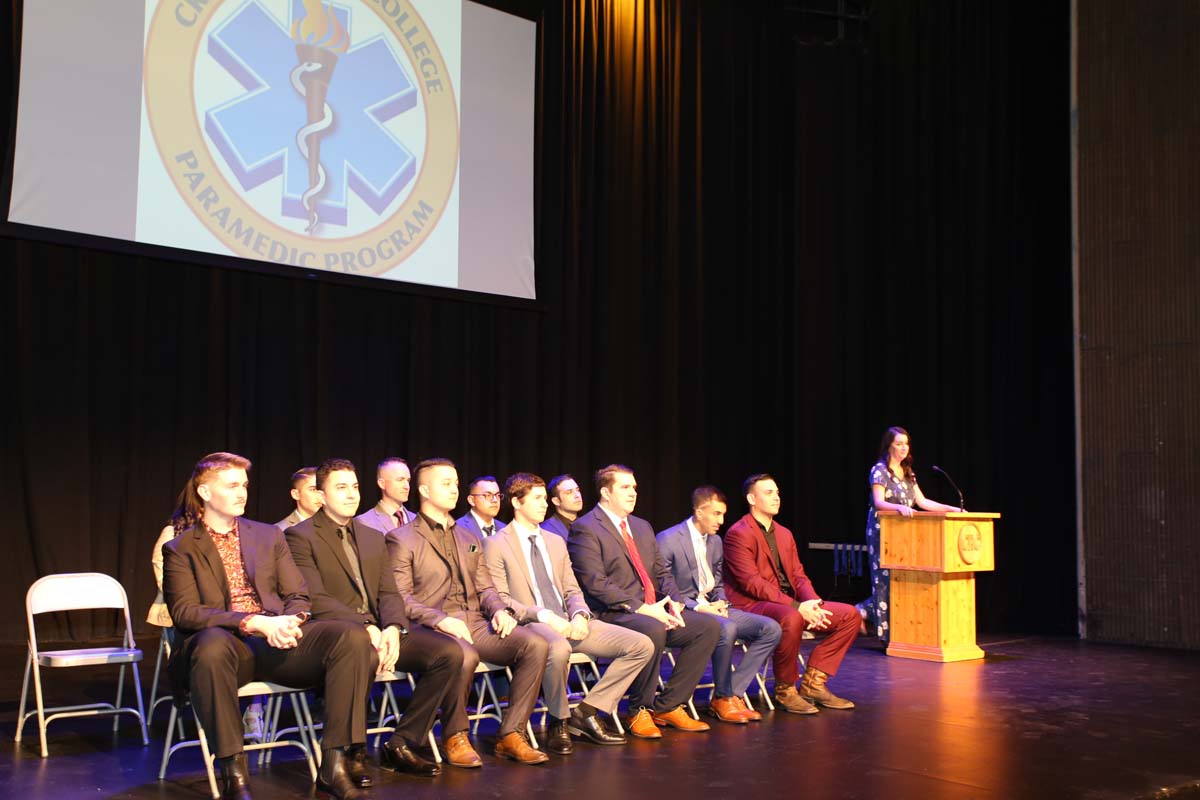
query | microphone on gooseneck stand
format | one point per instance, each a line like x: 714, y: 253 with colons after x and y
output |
x: 962, y: 504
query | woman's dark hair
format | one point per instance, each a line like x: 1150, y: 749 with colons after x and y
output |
x: 889, y: 436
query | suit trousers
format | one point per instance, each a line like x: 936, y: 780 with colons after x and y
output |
x: 523, y: 650
x: 437, y: 662
x: 695, y: 642
x: 829, y: 652
x: 628, y: 650
x: 761, y: 636
x: 332, y: 653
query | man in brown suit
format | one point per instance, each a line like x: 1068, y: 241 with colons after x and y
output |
x: 445, y: 586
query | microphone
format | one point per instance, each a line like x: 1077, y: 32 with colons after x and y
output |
x: 962, y: 504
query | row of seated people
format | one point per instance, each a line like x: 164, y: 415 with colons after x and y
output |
x: 328, y: 598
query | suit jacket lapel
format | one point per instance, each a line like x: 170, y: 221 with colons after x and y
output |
x: 212, y: 558
x: 465, y: 540
x: 248, y: 543
x: 325, y: 529
x: 609, y: 528
x: 370, y: 569
x: 516, y: 554
x: 689, y: 553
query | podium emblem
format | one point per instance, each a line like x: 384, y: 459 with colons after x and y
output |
x: 970, y: 544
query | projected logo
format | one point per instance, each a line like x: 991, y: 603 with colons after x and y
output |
x: 329, y: 134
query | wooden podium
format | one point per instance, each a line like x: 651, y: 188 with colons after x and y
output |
x: 933, y: 558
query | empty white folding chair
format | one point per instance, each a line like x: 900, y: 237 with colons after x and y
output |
x: 77, y: 591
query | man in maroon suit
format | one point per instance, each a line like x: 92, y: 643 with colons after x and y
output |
x: 763, y: 575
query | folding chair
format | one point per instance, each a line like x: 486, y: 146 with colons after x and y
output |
x: 78, y: 591
x: 275, y: 693
x: 389, y: 709
x: 489, y: 705
x: 163, y: 658
x: 577, y: 662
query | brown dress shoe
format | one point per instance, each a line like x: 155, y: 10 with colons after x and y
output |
x: 679, y: 718
x: 459, y: 752
x: 814, y: 690
x: 642, y: 725
x: 516, y: 747
x: 751, y: 714
x: 792, y: 702
x: 726, y: 710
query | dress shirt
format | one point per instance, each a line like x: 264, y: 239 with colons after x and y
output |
x: 705, y: 580
x: 525, y: 535
x: 242, y: 594
x: 479, y: 521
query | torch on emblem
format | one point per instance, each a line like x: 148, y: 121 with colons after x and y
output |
x: 319, y: 39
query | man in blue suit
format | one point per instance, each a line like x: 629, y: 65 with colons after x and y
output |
x: 483, y: 497
x: 695, y: 557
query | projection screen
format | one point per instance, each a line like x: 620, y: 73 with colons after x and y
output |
x: 383, y: 138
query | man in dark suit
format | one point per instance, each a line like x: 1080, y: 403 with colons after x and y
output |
x: 692, y: 551
x: 394, y: 480
x: 445, y: 585
x: 626, y: 583
x: 566, y: 501
x: 763, y: 575
x: 242, y: 607
x: 345, y: 564
x: 305, y: 494
x: 483, y: 499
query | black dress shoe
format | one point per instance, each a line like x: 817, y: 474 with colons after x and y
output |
x: 356, y: 766
x: 558, y: 740
x: 334, y: 776
x: 592, y: 729
x: 234, y: 777
x: 398, y: 756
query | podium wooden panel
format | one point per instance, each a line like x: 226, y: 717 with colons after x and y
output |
x: 933, y: 558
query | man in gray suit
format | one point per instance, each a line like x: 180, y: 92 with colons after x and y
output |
x: 441, y: 577
x: 307, y: 497
x: 394, y: 482
x: 696, y: 558
x: 483, y: 497
x: 532, y: 573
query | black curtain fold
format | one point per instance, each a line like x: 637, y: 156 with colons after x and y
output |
x: 754, y: 253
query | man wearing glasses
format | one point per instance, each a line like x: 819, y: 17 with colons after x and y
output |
x: 483, y: 497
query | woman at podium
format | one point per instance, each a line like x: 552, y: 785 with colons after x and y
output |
x: 893, y: 488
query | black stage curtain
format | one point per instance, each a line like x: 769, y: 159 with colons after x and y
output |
x: 757, y: 248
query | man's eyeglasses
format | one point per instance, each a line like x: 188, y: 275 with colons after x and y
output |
x: 489, y: 495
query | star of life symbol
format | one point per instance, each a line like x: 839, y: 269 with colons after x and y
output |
x: 314, y: 110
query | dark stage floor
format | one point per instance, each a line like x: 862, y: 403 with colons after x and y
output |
x: 1037, y: 719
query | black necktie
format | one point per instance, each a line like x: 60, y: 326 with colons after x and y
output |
x: 352, y: 557
x: 489, y: 530
x: 545, y: 586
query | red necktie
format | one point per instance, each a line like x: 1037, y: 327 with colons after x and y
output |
x: 636, y: 558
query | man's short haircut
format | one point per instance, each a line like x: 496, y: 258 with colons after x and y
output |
x: 388, y: 462
x: 430, y: 463
x: 748, y: 484
x: 302, y: 475
x: 478, y: 479
x: 519, y: 484
x: 706, y: 494
x: 552, y: 487
x: 332, y: 465
x: 607, y: 476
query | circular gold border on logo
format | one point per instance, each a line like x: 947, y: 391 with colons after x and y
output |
x: 171, y: 110
x: 970, y: 544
